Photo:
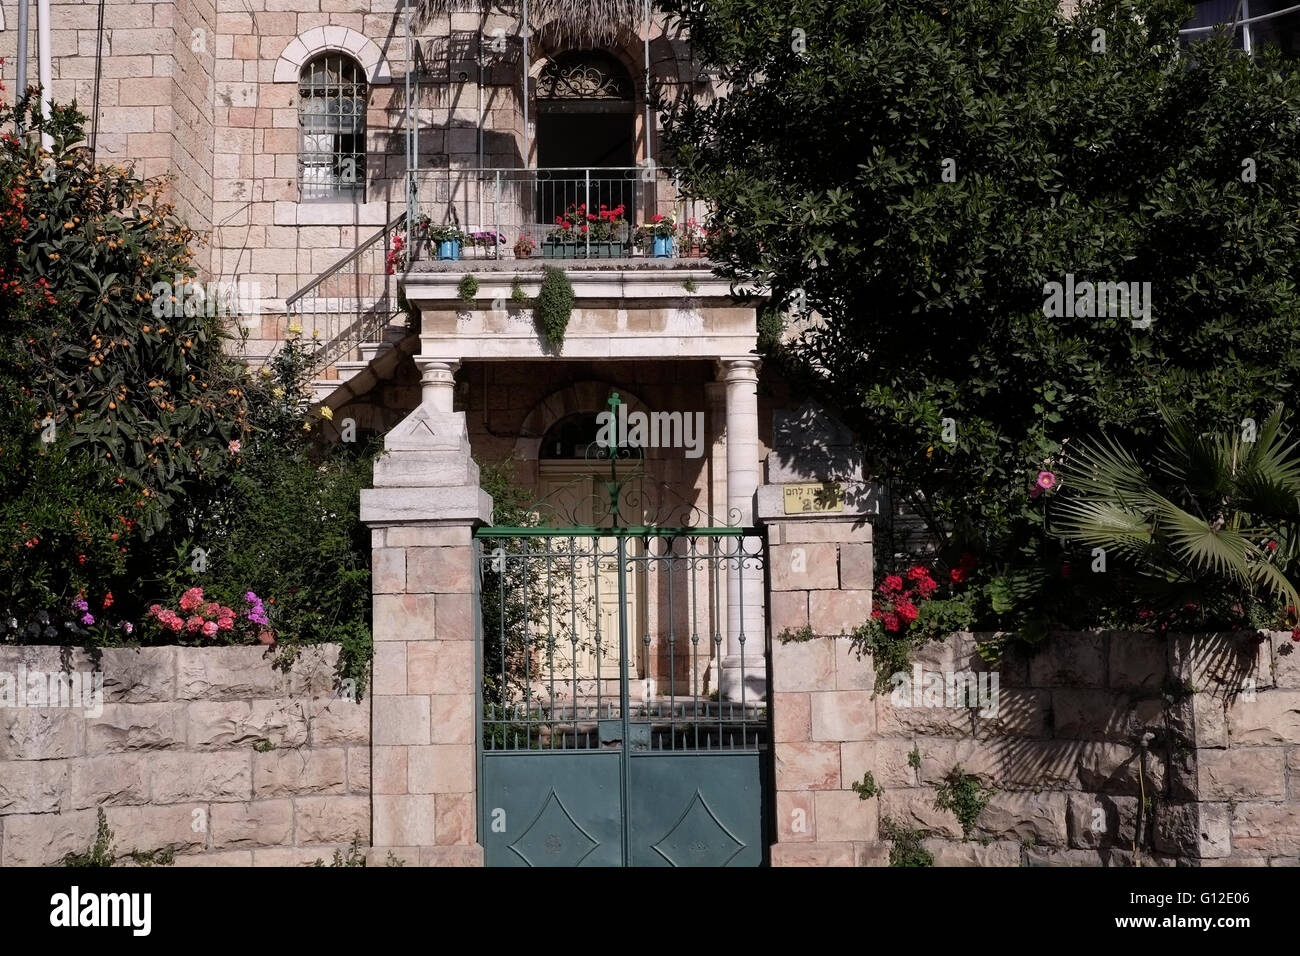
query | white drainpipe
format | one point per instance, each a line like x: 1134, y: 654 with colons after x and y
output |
x: 46, y: 71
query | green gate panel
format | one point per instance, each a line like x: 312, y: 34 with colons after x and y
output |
x: 696, y: 809
x: 552, y: 809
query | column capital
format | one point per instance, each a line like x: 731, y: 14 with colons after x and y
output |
x: 742, y: 368
x: 437, y: 380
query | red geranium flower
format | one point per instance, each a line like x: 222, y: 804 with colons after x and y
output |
x: 891, y: 621
x: 892, y: 584
x: 957, y: 575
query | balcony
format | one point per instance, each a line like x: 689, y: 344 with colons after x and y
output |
x: 516, y: 219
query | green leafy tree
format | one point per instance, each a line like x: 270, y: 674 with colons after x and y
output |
x: 915, y: 173
x: 135, y: 374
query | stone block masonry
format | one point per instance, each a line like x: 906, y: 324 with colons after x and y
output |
x: 1101, y: 749
x: 209, y: 751
x: 1098, y: 748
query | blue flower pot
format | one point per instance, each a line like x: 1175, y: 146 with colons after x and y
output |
x: 663, y: 247
x: 449, y: 250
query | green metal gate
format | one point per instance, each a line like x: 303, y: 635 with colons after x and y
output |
x: 583, y: 761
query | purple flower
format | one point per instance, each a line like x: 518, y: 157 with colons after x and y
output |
x: 128, y: 627
x: 80, y: 605
x: 87, y: 618
x: 252, y: 598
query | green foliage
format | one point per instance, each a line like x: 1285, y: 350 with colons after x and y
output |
x: 691, y: 286
x: 906, y: 848
x: 107, y: 343
x: 506, y: 599
x: 162, y: 857
x: 468, y: 288
x: 961, y: 794
x: 393, y: 860
x: 800, y: 636
x: 866, y: 788
x: 120, y: 414
x: 286, y: 525
x: 264, y: 746
x: 554, y: 306
x: 101, y: 852
x: 771, y: 325
x: 354, y: 857
x: 914, y: 758
x: 1211, y: 528
x: 517, y: 294
x: 891, y: 651
x: 1117, y: 167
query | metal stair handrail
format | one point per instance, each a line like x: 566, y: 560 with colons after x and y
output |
x: 360, y: 330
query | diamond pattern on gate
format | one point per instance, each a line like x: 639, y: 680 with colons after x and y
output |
x: 698, y: 838
x: 554, y: 838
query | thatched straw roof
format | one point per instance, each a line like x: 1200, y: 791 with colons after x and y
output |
x: 575, y: 20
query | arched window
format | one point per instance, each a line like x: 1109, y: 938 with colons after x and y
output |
x: 332, y: 98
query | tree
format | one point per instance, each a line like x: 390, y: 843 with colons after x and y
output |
x: 916, y: 173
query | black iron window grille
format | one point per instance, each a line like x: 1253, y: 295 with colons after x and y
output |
x: 332, y: 96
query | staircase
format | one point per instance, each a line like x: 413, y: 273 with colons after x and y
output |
x: 351, y: 308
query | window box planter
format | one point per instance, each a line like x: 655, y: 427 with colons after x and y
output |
x: 578, y: 250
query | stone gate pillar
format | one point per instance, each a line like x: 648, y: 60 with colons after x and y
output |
x: 817, y: 510
x: 422, y: 510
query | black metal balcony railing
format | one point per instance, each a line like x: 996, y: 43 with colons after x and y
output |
x: 513, y: 213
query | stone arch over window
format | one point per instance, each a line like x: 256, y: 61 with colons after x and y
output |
x: 588, y: 398
x: 332, y: 100
x: 337, y: 39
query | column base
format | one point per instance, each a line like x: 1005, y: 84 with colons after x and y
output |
x: 752, y: 677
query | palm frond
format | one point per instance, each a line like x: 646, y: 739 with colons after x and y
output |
x: 1104, y: 524
x: 1201, y: 464
x: 1268, y: 482
x: 1104, y: 469
x: 1219, y: 551
x: 1271, y: 577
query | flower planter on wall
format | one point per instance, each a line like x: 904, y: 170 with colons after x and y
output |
x: 663, y: 247
x: 579, y: 250
x: 449, y: 250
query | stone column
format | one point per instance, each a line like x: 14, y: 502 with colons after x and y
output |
x: 744, y: 670
x: 437, y: 382
x: 715, y: 395
x: 422, y: 511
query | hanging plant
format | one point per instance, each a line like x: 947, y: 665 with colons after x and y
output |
x: 554, y: 306
x: 468, y: 289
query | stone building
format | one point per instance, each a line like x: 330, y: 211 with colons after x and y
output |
x: 686, y: 732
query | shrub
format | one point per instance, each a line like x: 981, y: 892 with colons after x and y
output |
x: 554, y: 306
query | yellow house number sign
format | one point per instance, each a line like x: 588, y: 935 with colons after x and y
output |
x: 817, y: 496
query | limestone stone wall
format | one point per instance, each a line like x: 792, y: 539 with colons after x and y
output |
x: 209, y: 751
x: 1063, y: 754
